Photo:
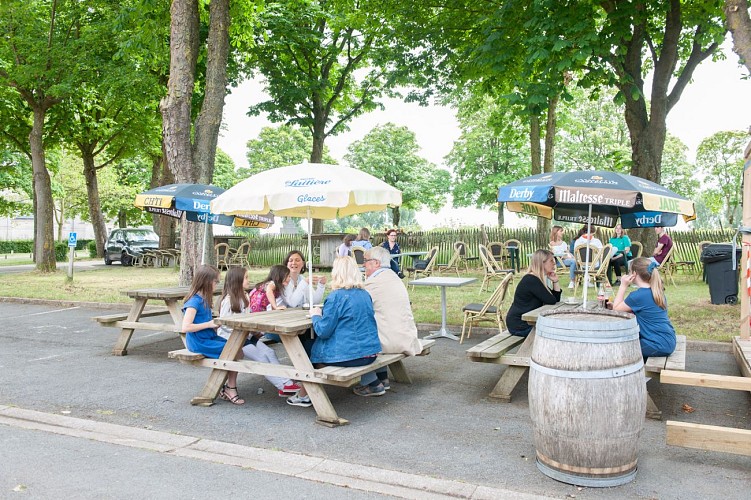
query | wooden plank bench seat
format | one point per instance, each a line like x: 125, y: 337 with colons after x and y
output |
x: 655, y: 365
x: 330, y: 375
x: 111, y: 319
x: 492, y: 350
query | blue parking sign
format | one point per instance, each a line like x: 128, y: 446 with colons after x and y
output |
x: 72, y: 239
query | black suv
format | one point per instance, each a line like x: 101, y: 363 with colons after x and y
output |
x: 123, y: 244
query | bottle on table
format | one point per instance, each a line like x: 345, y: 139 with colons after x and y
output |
x: 601, y: 298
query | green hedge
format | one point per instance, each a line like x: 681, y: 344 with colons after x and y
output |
x: 27, y: 246
x: 92, y: 249
x: 61, y: 252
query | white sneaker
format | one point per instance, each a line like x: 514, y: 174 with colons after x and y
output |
x: 571, y: 286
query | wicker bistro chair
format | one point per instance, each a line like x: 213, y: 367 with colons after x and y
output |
x: 490, y: 267
x: 358, y: 253
x: 426, y: 271
x: 560, y: 268
x: 667, y: 268
x: 453, y: 263
x: 223, y: 254
x: 582, y: 264
x: 491, y: 311
x: 461, y: 247
x: 496, y: 250
x: 636, y: 249
x: 241, y: 256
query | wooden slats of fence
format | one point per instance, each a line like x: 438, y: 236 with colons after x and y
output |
x: 267, y: 250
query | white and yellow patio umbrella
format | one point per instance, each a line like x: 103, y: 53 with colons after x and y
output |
x: 308, y: 190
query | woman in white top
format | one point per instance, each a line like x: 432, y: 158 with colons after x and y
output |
x: 560, y: 249
x: 295, y: 294
x: 594, y: 242
x: 345, y: 249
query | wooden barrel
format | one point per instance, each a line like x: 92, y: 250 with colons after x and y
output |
x: 587, y: 396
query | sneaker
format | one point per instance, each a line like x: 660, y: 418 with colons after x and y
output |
x: 299, y: 401
x: 367, y: 390
x: 571, y: 286
x: 386, y: 384
x: 289, y: 390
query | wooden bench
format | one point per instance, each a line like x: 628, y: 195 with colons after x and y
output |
x: 491, y: 350
x: 330, y: 375
x: 654, y: 366
x: 112, y: 319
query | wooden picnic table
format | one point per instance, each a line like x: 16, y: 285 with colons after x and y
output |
x: 288, y: 324
x: 518, y: 362
x: 131, y: 321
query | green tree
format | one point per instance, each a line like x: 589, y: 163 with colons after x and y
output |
x: 390, y: 153
x: 720, y: 158
x: 278, y: 147
x: 15, y: 184
x: 491, y: 151
x: 324, y: 63
x: 225, y: 175
x: 43, y: 55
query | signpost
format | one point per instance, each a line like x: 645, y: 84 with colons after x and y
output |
x: 72, y: 240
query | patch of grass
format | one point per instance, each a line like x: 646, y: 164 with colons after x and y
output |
x: 689, y: 306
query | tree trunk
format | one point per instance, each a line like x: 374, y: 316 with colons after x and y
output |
x: 176, y: 115
x: 548, y: 164
x: 501, y: 220
x: 44, y: 236
x: 122, y: 219
x: 210, y: 118
x: 395, y: 217
x: 164, y: 226
x: 534, y: 146
x: 95, y: 207
x: 739, y: 24
x: 316, y: 155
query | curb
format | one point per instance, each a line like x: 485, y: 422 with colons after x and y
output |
x: 318, y: 469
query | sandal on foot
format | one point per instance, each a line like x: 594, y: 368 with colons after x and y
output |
x: 235, y: 400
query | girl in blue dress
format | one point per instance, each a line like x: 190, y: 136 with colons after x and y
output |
x: 649, y: 305
x: 200, y: 327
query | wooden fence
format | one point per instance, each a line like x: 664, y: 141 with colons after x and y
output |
x: 267, y: 250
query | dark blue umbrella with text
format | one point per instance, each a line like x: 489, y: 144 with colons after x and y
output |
x: 193, y: 201
x: 596, y: 197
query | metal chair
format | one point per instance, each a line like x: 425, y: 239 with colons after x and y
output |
x: 491, y: 310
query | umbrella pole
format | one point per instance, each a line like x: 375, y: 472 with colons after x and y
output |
x: 310, y: 260
x: 586, y: 266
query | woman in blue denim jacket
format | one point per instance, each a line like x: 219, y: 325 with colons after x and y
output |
x: 346, y: 334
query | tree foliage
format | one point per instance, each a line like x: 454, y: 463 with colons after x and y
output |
x: 720, y: 158
x: 278, y: 147
x: 390, y: 153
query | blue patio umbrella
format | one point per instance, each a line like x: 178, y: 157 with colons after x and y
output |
x: 596, y: 197
x: 189, y: 200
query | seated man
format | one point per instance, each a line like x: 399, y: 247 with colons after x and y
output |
x: 664, y: 244
x: 396, y: 325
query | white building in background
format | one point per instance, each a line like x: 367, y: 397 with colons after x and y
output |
x: 22, y: 228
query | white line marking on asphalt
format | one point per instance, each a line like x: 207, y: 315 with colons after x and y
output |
x: 47, y: 357
x: 44, y: 312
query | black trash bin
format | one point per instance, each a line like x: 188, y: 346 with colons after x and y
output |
x: 720, y: 275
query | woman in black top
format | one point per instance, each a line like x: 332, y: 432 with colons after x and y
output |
x: 533, y: 292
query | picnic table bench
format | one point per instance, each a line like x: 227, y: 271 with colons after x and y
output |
x: 496, y: 350
x: 288, y: 323
x: 655, y: 365
x: 131, y: 321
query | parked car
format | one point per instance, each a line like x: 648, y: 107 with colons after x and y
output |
x: 124, y: 244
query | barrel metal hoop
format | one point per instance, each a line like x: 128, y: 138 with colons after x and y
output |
x: 590, y: 482
x: 620, y: 371
x: 595, y: 338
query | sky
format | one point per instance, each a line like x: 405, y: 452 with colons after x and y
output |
x: 717, y: 99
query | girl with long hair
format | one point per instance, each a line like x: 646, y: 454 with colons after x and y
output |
x: 296, y: 292
x: 235, y: 301
x: 539, y: 286
x: 269, y: 291
x: 200, y: 329
x: 649, y: 305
